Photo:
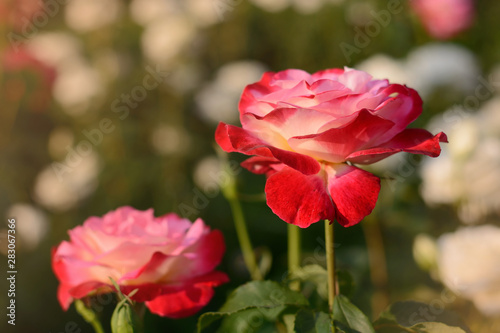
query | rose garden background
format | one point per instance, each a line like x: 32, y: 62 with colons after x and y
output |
x: 108, y: 103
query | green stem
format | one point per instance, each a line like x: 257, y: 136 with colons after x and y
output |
x: 244, y: 239
x: 89, y: 315
x: 293, y: 253
x: 241, y: 230
x: 330, y: 262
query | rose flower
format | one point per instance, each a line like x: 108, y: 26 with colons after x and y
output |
x: 306, y: 132
x: 443, y: 19
x: 170, y: 260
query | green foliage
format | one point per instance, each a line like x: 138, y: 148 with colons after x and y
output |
x: 349, y: 318
x: 252, y: 302
x: 308, y: 321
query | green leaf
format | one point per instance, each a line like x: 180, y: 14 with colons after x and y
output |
x: 255, y: 320
x: 124, y: 319
x: 409, y: 314
x: 350, y: 317
x: 436, y: 328
x: 315, y: 274
x: 428, y: 327
x: 268, y: 297
x: 308, y: 321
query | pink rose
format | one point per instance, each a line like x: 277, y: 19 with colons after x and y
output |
x: 26, y: 79
x: 169, y: 259
x: 306, y: 132
x: 20, y: 14
x: 444, y: 19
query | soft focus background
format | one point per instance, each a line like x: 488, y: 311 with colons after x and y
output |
x: 105, y: 103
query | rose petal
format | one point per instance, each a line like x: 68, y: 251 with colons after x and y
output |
x: 286, y: 123
x: 262, y: 165
x: 354, y: 192
x: 189, y: 298
x: 411, y: 140
x: 403, y: 108
x: 236, y: 139
x: 297, y: 198
x: 63, y: 296
x: 336, y: 144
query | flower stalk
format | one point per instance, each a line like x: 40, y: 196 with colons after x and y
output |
x: 89, y: 316
x: 293, y: 253
x: 330, y: 262
x: 230, y: 192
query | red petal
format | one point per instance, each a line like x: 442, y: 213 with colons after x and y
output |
x: 403, y: 108
x: 236, y: 139
x: 189, y: 298
x: 297, y: 198
x: 354, y: 192
x: 335, y: 144
x: 64, y: 297
x: 262, y: 165
x: 411, y: 140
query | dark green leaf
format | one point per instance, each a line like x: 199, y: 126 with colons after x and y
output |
x: 269, y: 297
x: 315, y: 274
x: 308, y: 321
x: 256, y: 320
x: 348, y: 315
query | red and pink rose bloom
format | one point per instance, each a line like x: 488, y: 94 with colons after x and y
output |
x: 307, y: 132
x: 170, y: 260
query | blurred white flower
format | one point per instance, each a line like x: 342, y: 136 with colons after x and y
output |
x: 437, y: 64
x: 307, y: 6
x: 31, y: 224
x: 489, y: 117
x: 202, y: 12
x: 440, y: 181
x: 76, y: 85
x: 466, y: 174
x: 425, y: 252
x: 144, y: 12
x: 55, y: 48
x: 481, y: 177
x: 206, y: 174
x: 89, y: 15
x: 167, y: 139
x: 163, y: 40
x: 61, y: 190
x: 381, y: 66
x: 218, y: 100
x: 468, y: 264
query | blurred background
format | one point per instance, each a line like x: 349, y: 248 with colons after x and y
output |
x: 105, y: 103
